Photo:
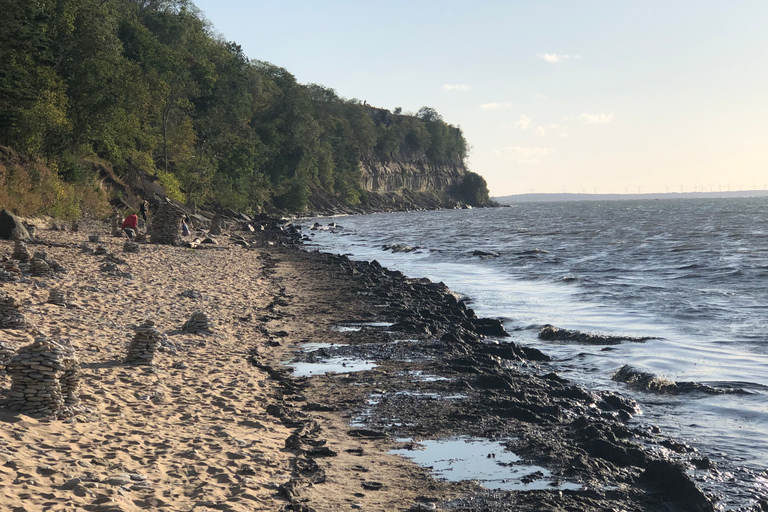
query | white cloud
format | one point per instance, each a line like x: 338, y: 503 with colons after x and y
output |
x: 455, y: 87
x: 494, y: 106
x: 554, y: 58
x: 539, y: 96
x: 596, y: 118
x: 523, y: 122
x: 520, y: 155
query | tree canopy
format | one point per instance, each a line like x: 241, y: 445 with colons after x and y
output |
x: 147, y: 84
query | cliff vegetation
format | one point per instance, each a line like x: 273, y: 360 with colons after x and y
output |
x: 147, y: 85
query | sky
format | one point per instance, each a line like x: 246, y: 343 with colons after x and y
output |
x: 611, y: 96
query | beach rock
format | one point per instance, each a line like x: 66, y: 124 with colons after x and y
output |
x: 100, y: 250
x: 11, y: 227
x: 130, y: 246
x: 11, y: 316
x: 94, y: 238
x: 198, y: 322
x: 672, y: 481
x: 144, y: 344
x: 44, y: 378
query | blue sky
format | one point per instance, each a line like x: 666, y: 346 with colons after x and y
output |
x: 551, y: 96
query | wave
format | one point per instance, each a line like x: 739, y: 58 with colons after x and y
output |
x: 647, y: 381
x: 552, y: 333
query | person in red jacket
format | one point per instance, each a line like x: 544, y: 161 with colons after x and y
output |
x: 131, y: 225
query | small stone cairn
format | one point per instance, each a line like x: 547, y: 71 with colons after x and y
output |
x: 44, y: 378
x: 144, y: 344
x: 129, y: 246
x: 166, y: 225
x: 11, y: 316
x: 198, y: 322
x: 117, y: 223
x: 57, y: 296
x: 217, y: 223
x: 20, y: 252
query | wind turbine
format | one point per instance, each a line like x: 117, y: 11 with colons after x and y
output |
x: 531, y: 189
x: 710, y: 188
x: 595, y: 190
x: 681, y: 188
x: 638, y: 188
x: 667, y: 189
x: 626, y: 189
x: 583, y: 190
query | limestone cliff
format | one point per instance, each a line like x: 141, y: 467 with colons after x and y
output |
x: 392, y: 176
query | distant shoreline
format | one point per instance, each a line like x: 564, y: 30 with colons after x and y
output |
x: 553, y: 197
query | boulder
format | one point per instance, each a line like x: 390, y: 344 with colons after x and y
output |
x: 11, y: 226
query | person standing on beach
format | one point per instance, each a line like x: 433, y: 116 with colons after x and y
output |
x: 131, y: 225
x: 143, y: 210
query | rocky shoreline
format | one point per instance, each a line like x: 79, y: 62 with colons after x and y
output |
x: 434, y: 371
x: 480, y: 385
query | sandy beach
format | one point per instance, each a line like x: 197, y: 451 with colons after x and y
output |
x: 218, y: 422
x: 191, y: 431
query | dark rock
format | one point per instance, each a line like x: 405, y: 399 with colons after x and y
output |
x: 11, y: 226
x: 671, y: 480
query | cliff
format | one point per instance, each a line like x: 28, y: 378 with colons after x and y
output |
x: 409, y: 166
x: 393, y: 176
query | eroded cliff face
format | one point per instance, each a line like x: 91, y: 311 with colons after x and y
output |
x: 415, y: 176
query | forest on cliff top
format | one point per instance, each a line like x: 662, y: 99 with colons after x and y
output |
x: 147, y: 84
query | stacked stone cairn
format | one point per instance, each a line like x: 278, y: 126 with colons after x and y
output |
x: 198, y: 322
x: 144, y: 344
x: 117, y: 223
x: 216, y: 225
x: 44, y: 378
x: 6, y: 353
x: 57, y: 297
x: 94, y: 238
x: 129, y: 246
x: 166, y: 225
x: 11, y: 316
x: 100, y: 250
x: 39, y: 267
x: 10, y: 271
x: 20, y: 252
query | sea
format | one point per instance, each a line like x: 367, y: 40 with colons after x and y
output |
x: 690, y: 273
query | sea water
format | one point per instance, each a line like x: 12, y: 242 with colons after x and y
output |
x: 692, y: 273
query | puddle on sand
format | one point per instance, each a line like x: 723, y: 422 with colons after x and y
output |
x: 331, y: 365
x: 486, y: 461
x: 352, y: 327
x: 312, y: 347
x: 424, y: 377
